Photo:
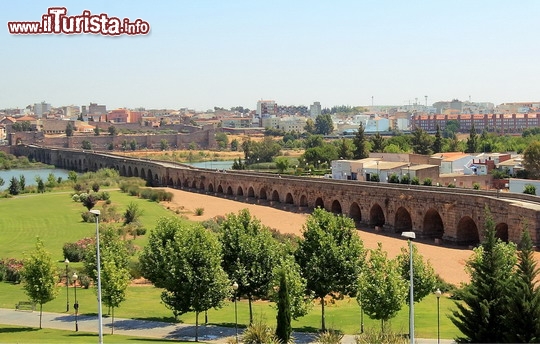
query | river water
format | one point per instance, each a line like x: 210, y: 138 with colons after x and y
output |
x: 30, y: 175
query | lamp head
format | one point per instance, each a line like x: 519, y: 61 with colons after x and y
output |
x: 235, y: 286
x: 409, y: 235
x: 438, y: 293
x: 66, y: 261
x: 95, y: 212
x: 75, y: 276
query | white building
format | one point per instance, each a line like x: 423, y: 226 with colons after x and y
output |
x: 41, y: 108
x: 315, y: 110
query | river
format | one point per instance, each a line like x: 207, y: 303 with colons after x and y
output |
x: 30, y: 175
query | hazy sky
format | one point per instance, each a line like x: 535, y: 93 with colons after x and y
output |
x: 200, y: 54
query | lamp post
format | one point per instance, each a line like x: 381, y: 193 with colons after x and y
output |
x: 411, y: 236
x: 76, y: 304
x: 67, y: 285
x: 97, y: 213
x: 438, y: 294
x: 235, y: 288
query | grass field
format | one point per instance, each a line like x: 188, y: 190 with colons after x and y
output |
x: 56, y: 220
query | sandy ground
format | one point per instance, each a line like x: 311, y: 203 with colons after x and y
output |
x: 448, y: 262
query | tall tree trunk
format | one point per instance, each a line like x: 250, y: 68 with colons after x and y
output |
x: 323, y: 324
x: 112, y: 322
x: 40, y: 313
x: 250, y: 311
x: 196, y: 326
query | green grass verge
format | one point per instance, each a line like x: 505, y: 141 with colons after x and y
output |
x: 56, y: 220
x: 21, y: 334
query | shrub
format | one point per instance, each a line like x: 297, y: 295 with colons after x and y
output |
x: 529, y: 189
x: 415, y: 181
x: 394, y: 178
x: 77, y: 187
x: 104, y: 196
x: 476, y: 186
x: 451, y: 185
x: 259, y: 332
x: 95, y: 187
x: 75, y: 252
x: 76, y: 198
x: 372, y: 336
x: 427, y: 182
x: 10, y: 269
x: 329, y: 337
x: 406, y: 179
x: 199, y: 211
x: 85, y: 281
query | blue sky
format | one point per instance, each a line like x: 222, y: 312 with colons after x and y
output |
x: 200, y: 54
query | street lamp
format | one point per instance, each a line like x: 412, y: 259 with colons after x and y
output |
x: 411, y: 236
x: 438, y: 294
x: 76, y: 304
x: 97, y: 213
x: 235, y: 288
x: 67, y: 285
x: 409, y: 173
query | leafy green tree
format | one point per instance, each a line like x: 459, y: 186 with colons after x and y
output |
x: 472, y: 141
x: 40, y: 184
x: 531, y: 159
x: 345, y: 149
x: 524, y: 296
x: 382, y: 289
x: 72, y: 175
x: 377, y: 143
x: 97, y: 131
x: 451, y: 128
x: 222, y: 140
x: 437, y: 143
x: 481, y: 315
x: 310, y: 126
x: 249, y: 254
x: 163, y: 144
x: 14, y: 186
x: 421, y: 142
x: 112, y: 130
x: 313, y: 141
x: 234, y: 145
x: 133, y: 213
x: 282, y: 164
x: 283, y: 328
x: 115, y: 260
x: 324, y: 124
x: 22, y: 182
x: 69, y: 129
x: 329, y: 245
x: 39, y: 277
x: 133, y: 145
x: 360, y: 148
x: 86, y: 144
x: 327, y: 152
x: 424, y: 277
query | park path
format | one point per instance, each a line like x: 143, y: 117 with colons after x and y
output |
x: 144, y: 328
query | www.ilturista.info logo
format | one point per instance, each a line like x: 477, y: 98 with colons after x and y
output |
x: 56, y: 21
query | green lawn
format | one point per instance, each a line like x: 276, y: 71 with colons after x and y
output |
x: 56, y: 220
x: 18, y: 334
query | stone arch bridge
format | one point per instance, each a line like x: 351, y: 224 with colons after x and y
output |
x: 447, y: 214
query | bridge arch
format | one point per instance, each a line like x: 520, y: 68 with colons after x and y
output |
x: 303, y: 201
x: 336, y: 207
x: 124, y: 172
x: 194, y: 184
x: 376, y: 215
x: 433, y: 225
x: 402, y: 220
x: 355, y: 213
x: 229, y: 191
x: 135, y: 172
x: 201, y: 186
x: 251, y: 192
x: 220, y: 189
x: 319, y: 203
x: 262, y: 193
x: 501, y: 231
x: 239, y: 191
x: 143, y: 175
x: 289, y: 198
x: 210, y: 187
x: 467, y: 231
x: 275, y: 196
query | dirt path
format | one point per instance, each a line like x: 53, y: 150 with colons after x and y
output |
x: 448, y: 262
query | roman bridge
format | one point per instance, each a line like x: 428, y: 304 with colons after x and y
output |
x: 449, y: 214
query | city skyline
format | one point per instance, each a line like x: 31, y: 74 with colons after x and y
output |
x: 201, y: 54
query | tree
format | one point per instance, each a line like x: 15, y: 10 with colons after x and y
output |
x: 524, y: 297
x: 222, y: 140
x: 377, y: 143
x: 472, y: 141
x: 249, y: 254
x: 437, y: 143
x: 69, y: 129
x: 97, y: 131
x: 283, y: 328
x: 86, y: 144
x: 310, y: 126
x: 421, y: 142
x: 451, y: 128
x: 234, y: 145
x: 531, y: 159
x: 163, y: 144
x: 191, y: 274
x: 324, y: 124
x: 22, y: 182
x: 112, y: 130
x: 115, y: 260
x: 39, y: 276
x: 360, y: 149
x: 330, y: 256
x: 345, y: 149
x: 481, y: 315
x: 424, y: 277
x: 132, y: 213
x: 14, y: 186
x: 133, y: 145
x: 382, y: 289
x: 282, y: 164
x: 40, y: 184
x: 72, y: 175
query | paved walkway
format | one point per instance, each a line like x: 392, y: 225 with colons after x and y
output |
x: 143, y: 328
